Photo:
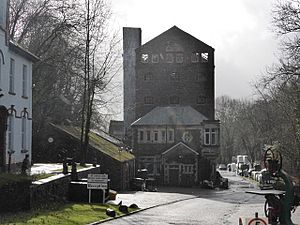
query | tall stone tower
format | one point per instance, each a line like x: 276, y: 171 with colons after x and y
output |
x: 131, y: 41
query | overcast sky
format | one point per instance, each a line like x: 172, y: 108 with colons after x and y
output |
x: 238, y: 30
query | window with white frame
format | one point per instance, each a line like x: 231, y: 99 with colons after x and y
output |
x: 207, y: 136
x: 211, y: 136
x: 148, y: 135
x: 141, y: 135
x: 12, y: 76
x: 155, y: 136
x: 24, y: 82
x: 23, y: 132
x: 163, y: 135
x: 10, y: 132
x: 170, y: 136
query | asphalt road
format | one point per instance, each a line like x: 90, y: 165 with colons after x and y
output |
x: 198, y: 206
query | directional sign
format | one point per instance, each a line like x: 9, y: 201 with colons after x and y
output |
x: 97, y: 181
x: 96, y: 186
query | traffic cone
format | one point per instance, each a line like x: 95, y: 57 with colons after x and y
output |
x: 240, y: 221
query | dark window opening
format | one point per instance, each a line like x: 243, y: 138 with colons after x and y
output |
x: 179, y: 58
x: 155, y: 58
x: 148, y: 76
x: 148, y: 100
x: 195, y: 57
x: 169, y: 58
x: 174, y: 100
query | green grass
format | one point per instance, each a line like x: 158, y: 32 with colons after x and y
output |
x: 69, y: 214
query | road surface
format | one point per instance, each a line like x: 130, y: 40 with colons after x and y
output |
x: 207, y: 207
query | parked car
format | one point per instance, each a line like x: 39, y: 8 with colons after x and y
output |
x: 137, y: 184
x: 222, y: 167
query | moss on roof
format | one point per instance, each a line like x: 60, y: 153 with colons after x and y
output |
x: 98, y: 143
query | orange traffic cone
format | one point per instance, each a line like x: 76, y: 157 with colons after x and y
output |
x: 240, y: 221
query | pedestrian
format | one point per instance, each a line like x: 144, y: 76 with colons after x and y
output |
x: 25, y: 165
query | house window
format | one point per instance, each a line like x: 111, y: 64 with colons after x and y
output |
x: 12, y: 76
x: 141, y: 133
x: 195, y: 57
x: 148, y: 76
x: 24, y: 83
x: 163, y: 135
x: 179, y: 58
x: 10, y: 132
x: 171, y: 136
x: 174, y: 100
x: 144, y: 58
x: 148, y: 100
x: 169, y: 58
x: 155, y: 135
x: 207, y: 136
x: 155, y: 58
x: 148, y: 133
x: 23, y: 133
x: 204, y: 57
x: 213, y: 136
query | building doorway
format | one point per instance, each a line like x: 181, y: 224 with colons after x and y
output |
x: 174, y: 176
x: 3, y: 124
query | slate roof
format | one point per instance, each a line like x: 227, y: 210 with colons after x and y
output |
x: 23, y: 52
x: 173, y: 30
x: 171, y: 115
x: 180, y: 145
x: 97, y: 142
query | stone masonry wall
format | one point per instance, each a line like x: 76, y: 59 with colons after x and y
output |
x: 55, y: 188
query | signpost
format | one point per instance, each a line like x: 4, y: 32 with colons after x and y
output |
x: 97, y: 181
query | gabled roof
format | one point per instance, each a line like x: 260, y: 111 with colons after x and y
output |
x: 23, y: 52
x: 178, y: 146
x: 173, y: 30
x: 97, y: 142
x: 171, y: 115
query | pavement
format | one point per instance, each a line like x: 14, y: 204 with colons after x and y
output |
x: 164, y: 195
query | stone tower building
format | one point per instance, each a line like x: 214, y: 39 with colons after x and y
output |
x: 169, y: 105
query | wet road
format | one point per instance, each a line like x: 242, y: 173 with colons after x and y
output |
x: 207, y: 207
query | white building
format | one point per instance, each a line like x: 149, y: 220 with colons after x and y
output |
x: 15, y: 98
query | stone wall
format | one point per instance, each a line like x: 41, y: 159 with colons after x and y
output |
x: 55, y: 188
x: 15, y: 196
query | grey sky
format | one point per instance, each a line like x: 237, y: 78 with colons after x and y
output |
x: 239, y: 30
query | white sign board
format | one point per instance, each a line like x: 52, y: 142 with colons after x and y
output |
x: 97, y: 181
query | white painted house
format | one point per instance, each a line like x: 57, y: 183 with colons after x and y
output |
x: 15, y: 98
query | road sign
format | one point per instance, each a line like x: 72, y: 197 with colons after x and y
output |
x: 257, y: 221
x: 97, y: 186
x: 97, y: 181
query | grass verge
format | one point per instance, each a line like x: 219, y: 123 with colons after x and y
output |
x: 69, y: 214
